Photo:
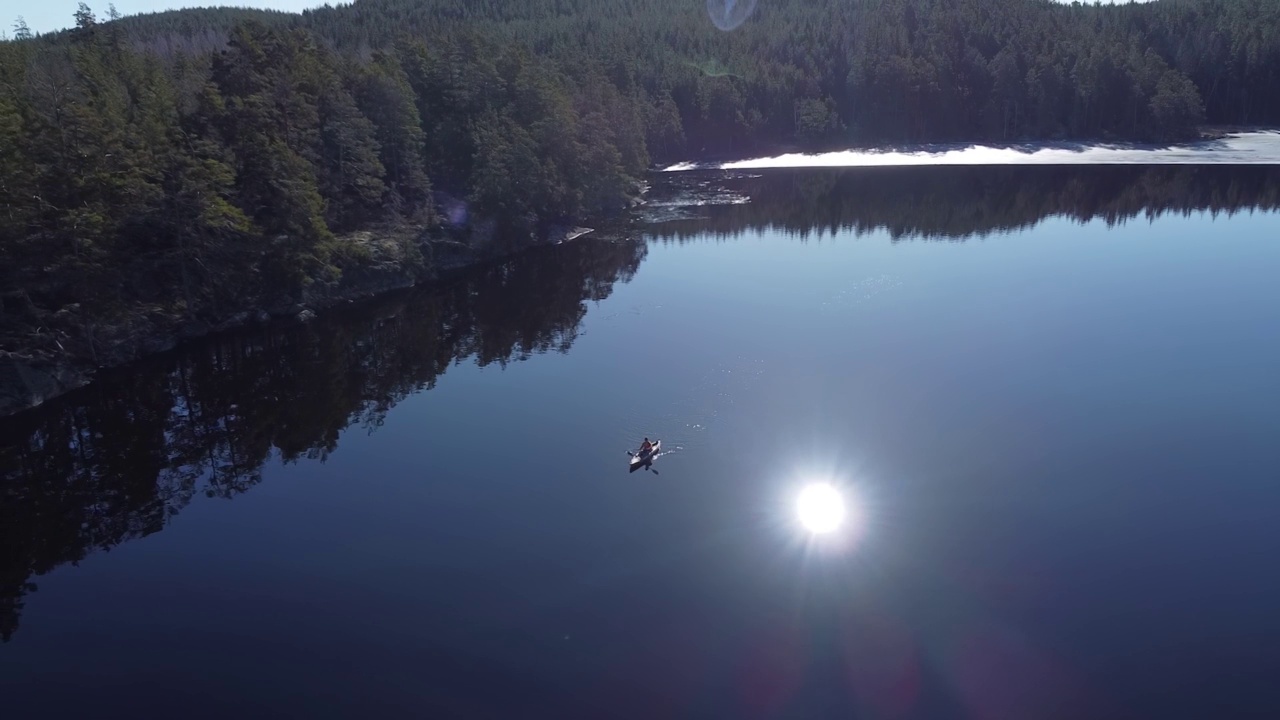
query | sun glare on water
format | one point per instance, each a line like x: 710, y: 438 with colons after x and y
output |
x: 820, y: 508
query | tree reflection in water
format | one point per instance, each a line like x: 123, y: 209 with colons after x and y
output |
x: 118, y: 459
x: 954, y: 203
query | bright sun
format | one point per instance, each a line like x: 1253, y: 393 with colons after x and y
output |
x: 820, y: 508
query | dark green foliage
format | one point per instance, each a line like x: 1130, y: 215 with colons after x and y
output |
x: 384, y: 95
x: 199, y: 162
x: 874, y: 71
x: 264, y: 104
x: 143, y: 175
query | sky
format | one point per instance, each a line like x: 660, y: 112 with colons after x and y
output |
x: 50, y: 15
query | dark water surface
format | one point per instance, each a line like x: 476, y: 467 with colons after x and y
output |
x: 1051, y: 397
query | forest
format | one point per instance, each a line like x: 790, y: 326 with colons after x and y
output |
x: 185, y: 167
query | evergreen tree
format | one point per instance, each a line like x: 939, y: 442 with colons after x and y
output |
x: 195, y: 162
x: 20, y: 30
x: 384, y: 95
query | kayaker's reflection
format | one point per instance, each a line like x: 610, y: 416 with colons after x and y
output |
x: 644, y: 457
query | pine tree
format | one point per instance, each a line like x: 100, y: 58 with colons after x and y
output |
x: 20, y: 30
x: 386, y: 98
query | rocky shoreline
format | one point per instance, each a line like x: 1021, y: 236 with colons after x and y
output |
x: 67, y: 351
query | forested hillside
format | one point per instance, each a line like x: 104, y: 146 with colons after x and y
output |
x: 193, y: 164
x: 869, y: 71
x: 140, y: 186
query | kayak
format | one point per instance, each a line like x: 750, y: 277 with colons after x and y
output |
x: 641, y: 459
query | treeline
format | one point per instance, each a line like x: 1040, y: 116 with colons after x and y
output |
x: 118, y: 460
x: 193, y: 164
x: 951, y: 203
x: 874, y: 71
x: 134, y: 183
x: 847, y: 71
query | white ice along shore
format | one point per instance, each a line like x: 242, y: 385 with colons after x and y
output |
x: 1247, y: 148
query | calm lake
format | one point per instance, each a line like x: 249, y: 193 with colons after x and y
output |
x: 1049, y: 396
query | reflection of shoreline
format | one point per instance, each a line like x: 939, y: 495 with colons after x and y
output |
x: 116, y: 460
x: 1253, y: 147
x: 955, y: 202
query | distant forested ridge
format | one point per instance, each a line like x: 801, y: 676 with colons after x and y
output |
x: 199, y: 163
x: 147, y: 190
x: 875, y: 71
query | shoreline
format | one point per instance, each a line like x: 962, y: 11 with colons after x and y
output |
x: 46, y: 368
x: 714, y: 161
x: 33, y: 376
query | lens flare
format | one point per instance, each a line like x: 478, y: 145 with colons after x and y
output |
x: 820, y: 508
x: 729, y: 14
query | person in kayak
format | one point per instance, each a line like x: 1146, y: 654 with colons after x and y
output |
x: 645, y: 446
